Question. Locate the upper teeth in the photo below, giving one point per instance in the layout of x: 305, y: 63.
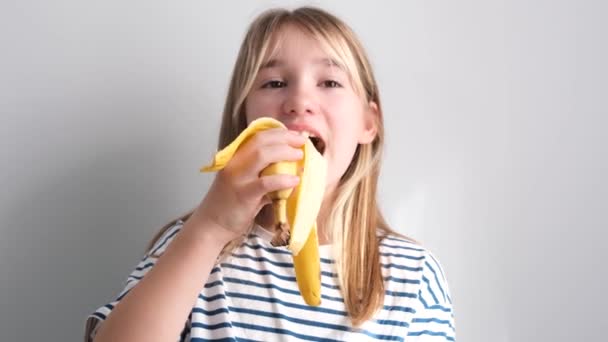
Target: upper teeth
x: 308, y: 134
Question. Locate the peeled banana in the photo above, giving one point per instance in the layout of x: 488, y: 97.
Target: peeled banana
x: 295, y: 210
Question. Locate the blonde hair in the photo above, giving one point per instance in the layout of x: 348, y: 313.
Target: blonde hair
x: 357, y: 225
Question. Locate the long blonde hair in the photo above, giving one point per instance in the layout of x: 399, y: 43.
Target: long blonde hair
x: 357, y: 225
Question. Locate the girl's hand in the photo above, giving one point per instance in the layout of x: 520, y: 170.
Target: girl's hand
x: 238, y: 192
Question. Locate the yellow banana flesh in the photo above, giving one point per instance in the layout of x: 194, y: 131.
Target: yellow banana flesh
x: 302, y: 205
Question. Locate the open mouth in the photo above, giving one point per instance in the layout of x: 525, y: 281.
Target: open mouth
x: 318, y: 143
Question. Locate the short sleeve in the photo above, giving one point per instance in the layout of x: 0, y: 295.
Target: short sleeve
x: 434, y: 317
x: 145, y: 265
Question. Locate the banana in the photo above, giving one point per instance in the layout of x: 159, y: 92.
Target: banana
x: 279, y: 200
x: 222, y: 157
x: 295, y: 210
x: 308, y: 269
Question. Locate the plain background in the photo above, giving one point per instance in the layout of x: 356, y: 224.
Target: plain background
x: 496, y: 160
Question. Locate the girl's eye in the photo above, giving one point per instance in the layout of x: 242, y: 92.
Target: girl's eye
x: 274, y: 84
x: 331, y: 84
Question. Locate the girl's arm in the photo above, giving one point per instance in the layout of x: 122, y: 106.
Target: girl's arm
x: 158, y: 306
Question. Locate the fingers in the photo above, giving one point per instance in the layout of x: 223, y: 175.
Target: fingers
x: 238, y: 191
x: 267, y: 155
x: 265, y: 184
x: 265, y: 148
x: 278, y: 135
x: 275, y: 136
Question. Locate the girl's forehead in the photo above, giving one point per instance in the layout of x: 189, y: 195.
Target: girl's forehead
x: 291, y: 42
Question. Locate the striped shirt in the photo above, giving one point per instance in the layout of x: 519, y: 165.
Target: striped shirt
x: 252, y: 295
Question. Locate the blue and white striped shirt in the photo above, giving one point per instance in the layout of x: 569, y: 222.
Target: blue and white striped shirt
x: 253, y: 296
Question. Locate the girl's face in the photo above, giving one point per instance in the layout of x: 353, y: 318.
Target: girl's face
x: 305, y: 90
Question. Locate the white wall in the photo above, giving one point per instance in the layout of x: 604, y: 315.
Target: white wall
x: 496, y: 157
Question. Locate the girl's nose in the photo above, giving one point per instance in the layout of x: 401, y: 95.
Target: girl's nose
x: 299, y: 101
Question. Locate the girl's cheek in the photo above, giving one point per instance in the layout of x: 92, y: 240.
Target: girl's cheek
x: 259, y: 103
x: 338, y: 101
x: 271, y: 99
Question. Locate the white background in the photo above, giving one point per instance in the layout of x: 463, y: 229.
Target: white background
x: 496, y: 149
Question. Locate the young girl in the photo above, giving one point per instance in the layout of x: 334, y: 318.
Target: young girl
x: 212, y: 275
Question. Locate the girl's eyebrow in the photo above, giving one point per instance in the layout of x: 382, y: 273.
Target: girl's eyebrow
x: 330, y: 62
x: 274, y: 63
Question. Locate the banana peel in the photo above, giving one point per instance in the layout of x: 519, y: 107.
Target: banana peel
x: 223, y: 156
x: 302, y: 204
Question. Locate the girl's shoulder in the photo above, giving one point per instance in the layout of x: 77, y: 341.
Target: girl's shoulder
x: 395, y: 242
x: 403, y: 258
x: 412, y: 271
x: 398, y: 250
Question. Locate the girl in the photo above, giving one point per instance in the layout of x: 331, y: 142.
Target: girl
x: 213, y: 275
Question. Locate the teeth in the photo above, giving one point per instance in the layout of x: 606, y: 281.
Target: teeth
x: 308, y: 134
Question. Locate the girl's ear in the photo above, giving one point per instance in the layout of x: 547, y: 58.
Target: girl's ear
x: 370, y: 123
